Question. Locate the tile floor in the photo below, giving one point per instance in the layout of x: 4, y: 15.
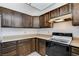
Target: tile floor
x: 34, y: 54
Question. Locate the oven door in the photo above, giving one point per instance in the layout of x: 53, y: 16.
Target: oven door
x: 57, y: 49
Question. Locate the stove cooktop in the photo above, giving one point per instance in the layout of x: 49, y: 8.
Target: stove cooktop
x: 64, y: 38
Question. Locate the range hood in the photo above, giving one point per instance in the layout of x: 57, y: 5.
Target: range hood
x: 61, y: 18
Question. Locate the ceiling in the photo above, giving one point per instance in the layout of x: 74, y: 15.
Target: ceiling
x: 40, y: 6
x: 33, y: 9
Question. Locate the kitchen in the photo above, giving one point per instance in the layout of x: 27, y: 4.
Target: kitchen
x: 38, y: 29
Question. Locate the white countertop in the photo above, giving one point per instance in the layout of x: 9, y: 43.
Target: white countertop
x: 75, y: 41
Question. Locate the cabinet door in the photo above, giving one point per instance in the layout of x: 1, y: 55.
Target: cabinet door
x: 65, y: 9
x: 17, y: 19
x: 75, y: 51
x: 6, y: 17
x: 41, y: 21
x: 36, y: 22
x: 0, y: 50
x: 24, y: 48
x: 27, y: 20
x: 42, y: 47
x: 9, y: 48
x: 32, y: 45
x: 54, y: 13
x: 30, y: 21
x: 37, y: 48
x: 75, y: 14
x: 46, y: 19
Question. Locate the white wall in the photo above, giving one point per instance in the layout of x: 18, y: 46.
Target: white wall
x: 17, y: 31
x: 61, y: 27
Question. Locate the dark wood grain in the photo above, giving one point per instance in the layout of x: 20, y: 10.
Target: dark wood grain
x: 65, y: 9
x: 24, y: 47
x: 42, y: 47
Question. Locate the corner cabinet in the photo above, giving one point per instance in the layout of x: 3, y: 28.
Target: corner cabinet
x: 27, y: 21
x: 44, y: 20
x: 75, y: 14
x: 24, y: 47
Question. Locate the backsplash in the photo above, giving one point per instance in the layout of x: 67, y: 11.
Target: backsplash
x: 61, y: 27
x: 17, y: 31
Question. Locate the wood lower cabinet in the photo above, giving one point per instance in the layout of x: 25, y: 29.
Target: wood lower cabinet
x: 0, y: 52
x: 0, y: 49
x: 33, y: 40
x: 75, y: 51
x: 24, y: 47
x: 42, y: 47
x: 9, y: 49
x: 36, y: 45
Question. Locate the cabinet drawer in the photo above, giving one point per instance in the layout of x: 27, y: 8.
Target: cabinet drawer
x: 75, y: 50
x: 12, y: 53
x: 8, y: 44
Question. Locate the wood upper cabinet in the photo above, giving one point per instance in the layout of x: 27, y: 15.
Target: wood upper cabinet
x: 46, y: 19
x: 54, y: 13
x: 6, y: 17
x: 65, y: 9
x: 10, y: 18
x: 27, y: 20
x: 42, y: 46
x: 75, y: 14
x: 43, y: 20
x: 16, y: 19
x: 24, y: 47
